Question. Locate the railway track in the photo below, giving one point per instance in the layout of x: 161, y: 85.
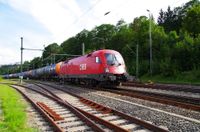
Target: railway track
x: 108, y: 118
x: 156, y: 113
x: 60, y: 115
x: 37, y: 120
x: 182, y: 102
x: 184, y: 88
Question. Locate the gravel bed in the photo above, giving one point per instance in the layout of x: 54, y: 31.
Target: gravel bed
x: 167, y: 92
x: 158, y: 118
x: 168, y: 108
x: 35, y: 119
x: 181, y: 85
x: 31, y: 121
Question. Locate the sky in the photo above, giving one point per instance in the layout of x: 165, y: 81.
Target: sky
x: 43, y: 22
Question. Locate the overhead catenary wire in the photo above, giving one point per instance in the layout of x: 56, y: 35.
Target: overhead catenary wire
x: 87, y: 11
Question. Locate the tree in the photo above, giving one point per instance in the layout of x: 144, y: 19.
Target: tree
x: 26, y: 66
x: 122, y: 37
x: 101, y: 36
x: 72, y: 46
x: 173, y: 19
x: 48, y: 56
x: 192, y: 21
x: 166, y: 19
x: 51, y: 49
x: 190, y: 4
x: 35, y: 63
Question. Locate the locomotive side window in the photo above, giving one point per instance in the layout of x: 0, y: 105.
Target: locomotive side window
x: 97, y: 60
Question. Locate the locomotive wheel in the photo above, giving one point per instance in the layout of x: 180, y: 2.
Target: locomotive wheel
x: 118, y: 83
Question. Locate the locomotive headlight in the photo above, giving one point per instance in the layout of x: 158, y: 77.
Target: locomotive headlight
x: 106, y: 70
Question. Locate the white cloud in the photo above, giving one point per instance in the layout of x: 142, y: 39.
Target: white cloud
x: 59, y: 16
x: 56, y: 16
x: 65, y: 18
x: 122, y: 9
x: 8, y: 55
x: 22, y: 5
x: 129, y: 9
x: 34, y: 40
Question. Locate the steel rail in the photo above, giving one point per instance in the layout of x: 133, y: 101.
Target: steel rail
x: 47, y: 117
x: 88, y: 121
x: 162, y: 87
x: 130, y: 118
x: 184, y: 99
x: 97, y: 119
x: 158, y: 99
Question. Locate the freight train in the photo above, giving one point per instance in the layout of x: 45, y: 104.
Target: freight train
x: 99, y: 67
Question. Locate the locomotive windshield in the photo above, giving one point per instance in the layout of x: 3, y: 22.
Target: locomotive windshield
x: 114, y: 59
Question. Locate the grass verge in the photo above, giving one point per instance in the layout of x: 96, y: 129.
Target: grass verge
x: 13, y: 117
x: 179, y: 79
x: 8, y: 81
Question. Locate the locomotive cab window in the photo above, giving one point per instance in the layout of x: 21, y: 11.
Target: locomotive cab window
x: 97, y: 60
x: 113, y: 59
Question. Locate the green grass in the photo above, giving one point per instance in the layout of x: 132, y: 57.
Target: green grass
x: 13, y: 118
x: 8, y: 81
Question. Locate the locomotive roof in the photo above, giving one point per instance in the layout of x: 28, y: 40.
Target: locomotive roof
x: 90, y: 54
x: 104, y: 51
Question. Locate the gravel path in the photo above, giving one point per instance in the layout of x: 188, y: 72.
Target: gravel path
x: 173, y: 123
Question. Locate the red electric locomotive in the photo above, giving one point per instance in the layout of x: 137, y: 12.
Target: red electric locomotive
x: 102, y: 66
x: 97, y: 68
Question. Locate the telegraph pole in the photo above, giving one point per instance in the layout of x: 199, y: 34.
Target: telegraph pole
x: 83, y: 49
x: 54, y: 58
x: 137, y: 70
x: 21, y: 77
x: 22, y: 48
x: 42, y: 55
x: 150, y: 44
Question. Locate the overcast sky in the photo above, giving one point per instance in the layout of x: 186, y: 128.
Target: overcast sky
x: 42, y: 22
